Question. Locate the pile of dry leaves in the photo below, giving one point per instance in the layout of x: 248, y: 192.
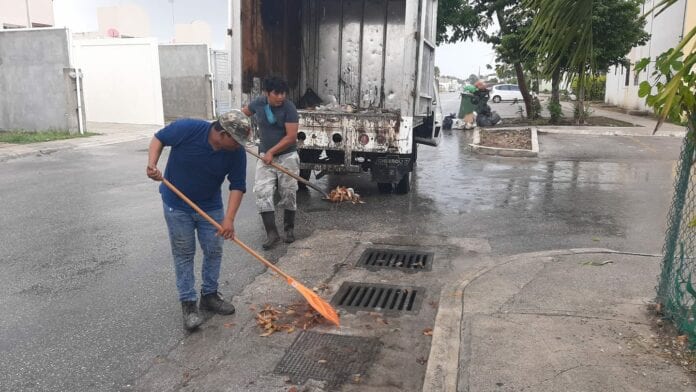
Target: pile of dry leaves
x: 341, y: 194
x: 287, y: 318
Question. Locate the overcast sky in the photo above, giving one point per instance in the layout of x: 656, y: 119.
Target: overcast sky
x: 461, y: 59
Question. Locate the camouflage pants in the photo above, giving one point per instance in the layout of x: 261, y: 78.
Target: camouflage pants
x: 268, y: 179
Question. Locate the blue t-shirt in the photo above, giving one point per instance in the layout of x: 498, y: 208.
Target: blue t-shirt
x: 196, y: 169
x: 270, y: 134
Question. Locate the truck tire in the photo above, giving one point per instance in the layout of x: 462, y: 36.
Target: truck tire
x: 404, y: 186
x: 385, y: 187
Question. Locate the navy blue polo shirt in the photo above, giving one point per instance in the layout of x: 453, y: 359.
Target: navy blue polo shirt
x: 196, y: 169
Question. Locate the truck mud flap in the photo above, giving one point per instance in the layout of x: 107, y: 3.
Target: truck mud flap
x: 391, y: 168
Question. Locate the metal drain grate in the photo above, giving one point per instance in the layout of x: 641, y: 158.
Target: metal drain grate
x: 368, y: 296
x: 328, y: 357
x: 401, y: 259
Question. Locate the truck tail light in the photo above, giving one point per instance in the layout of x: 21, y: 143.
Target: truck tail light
x: 363, y: 139
x: 381, y: 139
x: 301, y: 136
x: 337, y: 138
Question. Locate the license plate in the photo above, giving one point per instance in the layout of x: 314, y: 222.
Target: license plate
x: 393, y: 161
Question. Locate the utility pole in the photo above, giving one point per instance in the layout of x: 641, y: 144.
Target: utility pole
x: 28, y: 14
x: 173, y: 25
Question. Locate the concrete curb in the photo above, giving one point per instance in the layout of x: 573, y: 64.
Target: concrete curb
x: 442, y: 373
x: 18, y: 151
x: 618, y: 132
x: 505, y: 152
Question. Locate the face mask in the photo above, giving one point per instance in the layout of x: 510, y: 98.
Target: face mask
x: 270, y: 117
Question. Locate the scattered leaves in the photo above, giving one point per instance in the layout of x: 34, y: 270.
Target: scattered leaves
x: 288, y: 318
x: 186, y: 377
x: 341, y: 194
x: 229, y: 325
x: 433, y: 304
x: 322, y: 361
x: 428, y: 332
x: 292, y: 389
x: 357, y: 378
x: 422, y: 361
x: 682, y: 339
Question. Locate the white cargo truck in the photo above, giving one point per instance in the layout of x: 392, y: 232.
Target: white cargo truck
x: 371, y: 63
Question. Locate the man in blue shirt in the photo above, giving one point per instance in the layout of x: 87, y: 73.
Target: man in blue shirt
x: 278, y: 122
x: 202, y: 155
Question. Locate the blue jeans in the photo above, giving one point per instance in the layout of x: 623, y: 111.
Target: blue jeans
x: 183, y: 227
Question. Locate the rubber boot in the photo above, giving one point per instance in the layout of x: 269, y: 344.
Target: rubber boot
x: 271, y: 229
x: 289, y: 226
x: 216, y: 304
x: 189, y: 310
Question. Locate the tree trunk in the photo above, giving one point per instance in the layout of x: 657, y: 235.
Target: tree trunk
x: 518, y: 67
x: 523, y: 89
x: 555, y: 95
x: 581, y: 96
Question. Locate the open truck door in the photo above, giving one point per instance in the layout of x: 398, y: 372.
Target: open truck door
x: 427, y: 104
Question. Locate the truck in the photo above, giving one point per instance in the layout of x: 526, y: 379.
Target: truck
x: 367, y: 64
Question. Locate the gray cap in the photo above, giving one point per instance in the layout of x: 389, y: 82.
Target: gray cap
x: 237, y: 125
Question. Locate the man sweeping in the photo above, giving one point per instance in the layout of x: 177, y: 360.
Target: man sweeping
x: 278, y: 122
x: 202, y: 155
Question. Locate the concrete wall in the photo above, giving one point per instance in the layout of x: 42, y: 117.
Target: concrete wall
x: 121, y: 80
x: 666, y: 31
x: 38, y: 92
x: 14, y: 12
x: 186, y: 81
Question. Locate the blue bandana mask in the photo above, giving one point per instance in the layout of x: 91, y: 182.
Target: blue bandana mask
x: 270, y: 117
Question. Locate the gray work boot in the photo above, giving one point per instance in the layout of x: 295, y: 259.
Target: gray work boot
x: 191, y: 318
x: 289, y: 226
x: 214, y: 303
x: 271, y: 229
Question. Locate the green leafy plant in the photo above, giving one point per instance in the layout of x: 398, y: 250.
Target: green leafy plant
x: 555, y: 112
x: 671, y: 91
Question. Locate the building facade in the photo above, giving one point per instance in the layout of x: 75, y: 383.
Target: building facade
x: 666, y: 30
x: 18, y: 14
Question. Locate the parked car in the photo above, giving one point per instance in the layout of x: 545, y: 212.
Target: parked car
x: 506, y: 92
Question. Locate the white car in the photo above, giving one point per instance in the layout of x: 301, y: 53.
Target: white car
x: 506, y: 92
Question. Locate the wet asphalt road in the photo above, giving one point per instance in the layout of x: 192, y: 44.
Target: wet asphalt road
x: 87, y: 294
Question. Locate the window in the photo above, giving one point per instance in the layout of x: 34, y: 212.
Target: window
x: 628, y: 74
x: 514, y: 88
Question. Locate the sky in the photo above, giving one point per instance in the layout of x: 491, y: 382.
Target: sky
x: 460, y: 60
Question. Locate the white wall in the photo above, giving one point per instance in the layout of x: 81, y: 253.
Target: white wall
x: 14, y: 12
x: 129, y: 20
x: 666, y: 31
x: 121, y: 80
x: 198, y: 32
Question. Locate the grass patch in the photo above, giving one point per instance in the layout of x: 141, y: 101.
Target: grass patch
x: 27, y: 137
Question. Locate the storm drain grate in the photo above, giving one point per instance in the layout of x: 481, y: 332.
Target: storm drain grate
x: 381, y: 297
x: 328, y: 357
x: 402, y: 259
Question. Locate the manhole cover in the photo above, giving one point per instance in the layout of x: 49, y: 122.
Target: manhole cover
x: 402, y: 259
x: 327, y: 357
x: 380, y: 297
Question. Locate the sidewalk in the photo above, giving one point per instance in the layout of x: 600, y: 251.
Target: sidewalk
x: 568, y: 320
x: 573, y: 320
x: 645, y: 125
x: 109, y: 133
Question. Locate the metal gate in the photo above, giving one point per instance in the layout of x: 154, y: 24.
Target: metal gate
x: 220, y: 67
